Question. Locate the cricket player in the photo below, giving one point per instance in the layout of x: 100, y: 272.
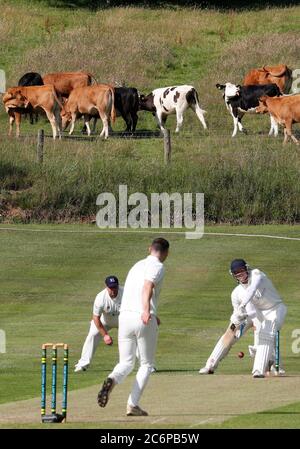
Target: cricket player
x: 255, y: 303
x: 138, y: 326
x: 105, y: 317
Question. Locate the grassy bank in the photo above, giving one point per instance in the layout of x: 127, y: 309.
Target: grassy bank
x: 242, y: 184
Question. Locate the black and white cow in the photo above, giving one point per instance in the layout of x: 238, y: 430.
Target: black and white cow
x: 241, y: 99
x: 172, y: 100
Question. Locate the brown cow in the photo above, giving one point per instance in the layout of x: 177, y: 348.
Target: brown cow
x: 87, y: 101
x: 284, y: 110
x: 38, y: 97
x: 65, y: 82
x: 279, y: 74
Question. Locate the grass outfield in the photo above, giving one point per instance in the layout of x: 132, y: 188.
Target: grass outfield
x: 50, y: 276
x: 185, y: 46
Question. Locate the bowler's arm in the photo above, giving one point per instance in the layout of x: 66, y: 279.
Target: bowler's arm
x: 147, y: 293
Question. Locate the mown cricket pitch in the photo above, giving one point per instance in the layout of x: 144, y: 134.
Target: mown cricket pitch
x: 172, y: 400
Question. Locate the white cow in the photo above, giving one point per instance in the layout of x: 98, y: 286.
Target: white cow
x: 172, y: 100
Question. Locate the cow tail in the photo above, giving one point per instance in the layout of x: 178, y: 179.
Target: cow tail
x: 113, y: 110
x: 196, y: 99
x: 57, y: 99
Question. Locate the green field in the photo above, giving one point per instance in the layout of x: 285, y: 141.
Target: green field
x: 50, y: 276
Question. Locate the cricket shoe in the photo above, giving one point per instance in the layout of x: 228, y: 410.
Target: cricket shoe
x: 105, y: 391
x: 258, y: 375
x: 79, y: 368
x: 206, y: 371
x: 281, y: 371
x: 135, y: 411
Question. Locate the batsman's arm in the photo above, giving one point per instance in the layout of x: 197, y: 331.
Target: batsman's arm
x: 103, y: 332
x: 250, y: 291
x: 147, y: 293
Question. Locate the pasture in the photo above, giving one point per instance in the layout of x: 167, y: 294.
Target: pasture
x: 54, y: 259
x: 207, y: 47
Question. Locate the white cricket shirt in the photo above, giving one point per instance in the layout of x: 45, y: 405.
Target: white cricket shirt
x: 259, y: 290
x: 150, y: 269
x: 108, y: 308
x: 237, y: 302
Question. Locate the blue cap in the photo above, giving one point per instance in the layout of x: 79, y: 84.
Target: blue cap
x: 112, y: 281
x: 238, y: 264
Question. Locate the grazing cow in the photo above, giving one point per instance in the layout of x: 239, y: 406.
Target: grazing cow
x: 170, y: 100
x: 31, y: 79
x: 280, y: 75
x: 241, y: 99
x: 65, y: 82
x: 87, y: 102
x: 285, y: 111
x: 38, y: 97
x: 126, y: 106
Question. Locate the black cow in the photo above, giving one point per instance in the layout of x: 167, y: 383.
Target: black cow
x: 31, y: 79
x: 127, y: 106
x: 241, y: 99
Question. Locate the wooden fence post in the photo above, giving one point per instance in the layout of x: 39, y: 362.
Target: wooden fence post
x: 40, y: 146
x: 167, y: 146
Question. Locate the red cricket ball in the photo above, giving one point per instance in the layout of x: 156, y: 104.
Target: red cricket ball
x: 241, y: 354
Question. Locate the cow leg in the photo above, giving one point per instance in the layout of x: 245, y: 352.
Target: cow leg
x: 86, y: 118
x: 240, y: 126
x: 286, y: 137
x: 159, y: 121
x: 105, y: 122
x: 72, y: 124
x: 128, y: 120
x: 18, y: 122
x: 289, y: 132
x: 11, y: 121
x: 179, y: 120
x: 235, y: 126
x: 94, y: 124
x: 134, y: 118
x: 274, y: 127
x: 51, y: 118
x: 234, y: 115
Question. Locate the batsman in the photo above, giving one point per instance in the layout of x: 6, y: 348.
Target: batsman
x: 256, y: 303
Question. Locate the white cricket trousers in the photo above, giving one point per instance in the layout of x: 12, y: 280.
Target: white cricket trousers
x: 134, y: 334
x: 90, y: 345
x: 271, y: 322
